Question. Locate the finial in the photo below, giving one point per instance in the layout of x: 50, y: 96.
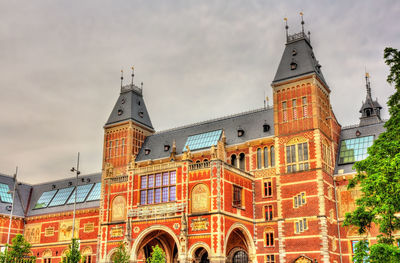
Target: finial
x: 133, y: 74
x: 122, y: 76
x: 141, y: 85
x: 309, y: 36
x: 287, y: 28
x: 368, y: 85
x: 302, y: 22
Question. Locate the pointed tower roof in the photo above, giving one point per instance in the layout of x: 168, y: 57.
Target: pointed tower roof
x: 130, y: 106
x: 371, y: 109
x: 298, y: 58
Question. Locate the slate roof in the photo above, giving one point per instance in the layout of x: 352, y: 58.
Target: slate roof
x: 130, y: 106
x: 21, y: 198
x: 349, y: 133
x: 48, y: 186
x: 251, y: 122
x: 298, y: 50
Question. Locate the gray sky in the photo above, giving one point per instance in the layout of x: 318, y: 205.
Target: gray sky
x: 60, y: 65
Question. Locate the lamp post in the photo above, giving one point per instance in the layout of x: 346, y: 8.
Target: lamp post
x: 76, y: 170
x: 12, y: 210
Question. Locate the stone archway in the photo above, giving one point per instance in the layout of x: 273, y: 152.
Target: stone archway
x: 239, y: 244
x: 152, y: 236
x: 199, y: 253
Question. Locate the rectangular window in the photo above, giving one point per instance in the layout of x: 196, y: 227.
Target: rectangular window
x: 109, y: 149
x: 284, y: 108
x: 123, y: 147
x: 294, y: 109
x: 116, y: 147
x: 297, y: 160
x: 304, y: 102
x: 237, y: 196
x: 353, y: 150
x: 268, y: 213
x: 158, y: 188
x: 301, y: 226
x: 270, y: 259
x: 269, y: 239
x: 299, y: 200
x: 268, y: 189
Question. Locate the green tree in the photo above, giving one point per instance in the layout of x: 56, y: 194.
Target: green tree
x: 73, y: 255
x: 19, y: 251
x: 121, y: 255
x: 378, y: 177
x: 157, y: 256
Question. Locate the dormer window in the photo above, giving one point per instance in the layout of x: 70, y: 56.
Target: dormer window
x: 147, y: 151
x: 266, y: 127
x: 293, y: 66
x: 240, y: 132
x: 166, y: 147
x: 294, y: 52
x: 141, y: 114
x: 120, y: 111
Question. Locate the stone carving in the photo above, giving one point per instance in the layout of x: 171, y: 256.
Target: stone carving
x: 32, y: 233
x: 199, y: 224
x: 200, y: 198
x: 65, y: 232
x: 117, y: 231
x: 109, y: 169
x: 118, y: 208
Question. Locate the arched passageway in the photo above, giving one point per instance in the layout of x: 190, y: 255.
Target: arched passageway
x: 239, y: 247
x: 143, y: 246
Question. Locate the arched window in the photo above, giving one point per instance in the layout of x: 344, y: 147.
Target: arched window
x: 240, y: 257
x: 266, y: 157
x: 233, y: 160
x: 258, y: 158
x: 272, y: 153
x: 242, y: 161
x: 205, y: 160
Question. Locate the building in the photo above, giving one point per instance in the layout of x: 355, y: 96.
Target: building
x: 267, y: 185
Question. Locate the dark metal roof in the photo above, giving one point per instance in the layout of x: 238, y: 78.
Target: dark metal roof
x: 349, y: 133
x: 130, y: 106
x: 21, y: 198
x: 299, y: 51
x: 59, y: 184
x: 251, y: 122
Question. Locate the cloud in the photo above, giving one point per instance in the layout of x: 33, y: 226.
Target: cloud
x: 60, y: 64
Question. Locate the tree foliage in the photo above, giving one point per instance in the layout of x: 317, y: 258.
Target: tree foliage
x: 121, y: 255
x: 157, y: 256
x: 19, y: 251
x: 73, y: 255
x: 378, y: 177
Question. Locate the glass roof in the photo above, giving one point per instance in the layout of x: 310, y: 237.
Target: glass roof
x: 353, y: 150
x: 4, y: 195
x: 95, y: 193
x: 61, y: 196
x: 45, y: 199
x: 202, y: 140
x: 83, y: 191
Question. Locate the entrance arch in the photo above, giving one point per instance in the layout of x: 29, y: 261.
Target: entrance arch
x: 155, y: 235
x: 199, y: 253
x: 239, y: 245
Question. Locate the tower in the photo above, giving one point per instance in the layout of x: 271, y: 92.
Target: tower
x: 124, y: 134
x: 307, y: 136
x: 370, y: 110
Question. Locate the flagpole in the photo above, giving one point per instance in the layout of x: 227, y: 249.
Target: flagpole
x: 12, y: 210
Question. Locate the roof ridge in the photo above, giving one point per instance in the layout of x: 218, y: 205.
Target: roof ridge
x: 214, y: 120
x: 358, y: 125
x: 67, y: 178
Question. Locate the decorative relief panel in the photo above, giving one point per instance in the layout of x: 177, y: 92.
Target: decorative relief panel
x: 199, y: 224
x: 48, y: 232
x: 200, y: 199
x: 32, y: 233
x: 117, y: 231
x: 65, y: 232
x: 88, y: 227
x: 118, y: 208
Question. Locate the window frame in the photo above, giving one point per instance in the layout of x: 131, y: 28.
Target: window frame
x: 293, y: 162
x: 237, y: 189
x: 269, y: 239
x: 154, y: 186
x: 269, y: 212
x: 299, y: 200
x: 267, y: 189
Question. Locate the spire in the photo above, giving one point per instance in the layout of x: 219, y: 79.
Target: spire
x: 370, y: 110
x: 122, y: 77
x: 298, y: 58
x: 133, y: 74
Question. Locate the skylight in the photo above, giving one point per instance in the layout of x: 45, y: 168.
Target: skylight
x: 353, y: 150
x: 61, y: 196
x: 202, y: 140
x: 45, y: 199
x: 95, y: 193
x: 83, y: 191
x: 4, y: 195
